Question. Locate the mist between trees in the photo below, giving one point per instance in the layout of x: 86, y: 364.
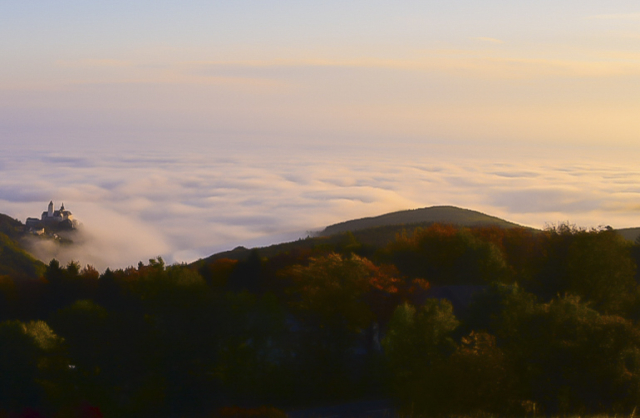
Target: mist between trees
x: 442, y: 320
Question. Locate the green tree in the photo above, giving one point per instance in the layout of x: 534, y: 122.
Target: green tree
x: 249, y: 347
x: 182, y: 335
x: 418, y: 344
x: 31, y: 364
x: 328, y: 292
x: 83, y: 325
x: 595, y: 265
x: 479, y: 376
x: 332, y: 297
x: 572, y: 358
x: 498, y: 309
x: 65, y: 285
x: 446, y: 255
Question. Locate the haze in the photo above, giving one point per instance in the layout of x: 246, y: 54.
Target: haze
x: 185, y: 128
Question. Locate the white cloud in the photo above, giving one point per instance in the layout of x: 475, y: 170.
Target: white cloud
x: 184, y: 205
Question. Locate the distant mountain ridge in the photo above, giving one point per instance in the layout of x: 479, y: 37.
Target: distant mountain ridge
x: 374, y: 231
x: 441, y: 214
x: 377, y: 231
x: 631, y: 234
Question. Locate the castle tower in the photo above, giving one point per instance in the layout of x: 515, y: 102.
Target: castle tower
x: 50, y: 211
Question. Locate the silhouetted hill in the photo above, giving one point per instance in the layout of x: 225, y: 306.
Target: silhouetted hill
x: 14, y: 260
x: 12, y: 228
x: 629, y: 233
x: 440, y: 214
x: 375, y: 232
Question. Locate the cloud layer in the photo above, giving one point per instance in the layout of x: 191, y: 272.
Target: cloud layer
x: 183, y: 205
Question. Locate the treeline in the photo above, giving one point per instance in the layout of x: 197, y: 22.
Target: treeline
x: 552, y: 327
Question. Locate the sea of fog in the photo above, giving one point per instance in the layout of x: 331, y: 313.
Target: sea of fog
x: 183, y: 201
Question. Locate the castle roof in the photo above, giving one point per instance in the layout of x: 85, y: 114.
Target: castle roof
x: 61, y: 213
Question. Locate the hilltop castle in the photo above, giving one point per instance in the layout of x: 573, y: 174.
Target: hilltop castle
x: 57, y: 219
x: 56, y: 216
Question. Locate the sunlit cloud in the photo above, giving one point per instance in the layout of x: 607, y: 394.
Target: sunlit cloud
x: 192, y: 205
x: 468, y: 63
x: 283, y: 75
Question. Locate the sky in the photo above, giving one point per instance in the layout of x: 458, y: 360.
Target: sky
x: 185, y: 128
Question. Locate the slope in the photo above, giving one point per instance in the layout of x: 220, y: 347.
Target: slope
x: 375, y: 232
x: 441, y: 214
x: 14, y: 260
x: 632, y: 234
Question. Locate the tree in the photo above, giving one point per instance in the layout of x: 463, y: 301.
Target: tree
x: 478, y: 376
x: 65, y: 285
x: 446, y: 255
x: 571, y: 358
x: 328, y: 292
x: 218, y: 272
x: 250, y: 347
x: 335, y: 298
x: 418, y: 344
x: 30, y: 363
x: 595, y: 265
x: 247, y: 274
x: 498, y: 310
x: 519, y: 246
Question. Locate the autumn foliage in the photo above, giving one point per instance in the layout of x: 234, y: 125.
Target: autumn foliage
x: 442, y: 319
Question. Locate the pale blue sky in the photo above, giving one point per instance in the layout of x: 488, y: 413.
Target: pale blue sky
x: 86, y: 26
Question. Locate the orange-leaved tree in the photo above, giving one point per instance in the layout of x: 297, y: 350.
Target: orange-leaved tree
x: 336, y: 298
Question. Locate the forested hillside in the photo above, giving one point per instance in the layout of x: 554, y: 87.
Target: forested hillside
x: 450, y: 215
x: 376, y: 232
x: 442, y: 319
x: 15, y: 262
